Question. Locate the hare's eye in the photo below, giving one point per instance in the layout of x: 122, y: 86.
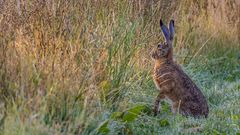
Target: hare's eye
x: 159, y: 46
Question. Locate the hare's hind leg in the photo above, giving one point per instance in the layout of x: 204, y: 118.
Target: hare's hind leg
x: 176, y: 107
x: 156, y: 109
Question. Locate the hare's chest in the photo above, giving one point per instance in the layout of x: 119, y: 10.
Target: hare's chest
x: 164, y: 82
x: 156, y: 84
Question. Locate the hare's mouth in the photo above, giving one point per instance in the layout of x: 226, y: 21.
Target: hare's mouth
x: 154, y: 54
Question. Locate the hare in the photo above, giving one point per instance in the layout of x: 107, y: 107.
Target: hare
x: 173, y: 84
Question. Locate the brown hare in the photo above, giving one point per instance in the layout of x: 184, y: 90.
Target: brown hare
x: 173, y: 84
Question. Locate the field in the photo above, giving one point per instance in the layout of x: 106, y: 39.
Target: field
x: 84, y: 66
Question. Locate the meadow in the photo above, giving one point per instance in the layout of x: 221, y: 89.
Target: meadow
x: 84, y: 67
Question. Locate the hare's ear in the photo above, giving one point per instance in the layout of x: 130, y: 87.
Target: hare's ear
x: 165, y: 31
x: 171, y: 29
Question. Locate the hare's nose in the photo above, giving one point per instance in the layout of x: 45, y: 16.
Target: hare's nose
x: 159, y: 46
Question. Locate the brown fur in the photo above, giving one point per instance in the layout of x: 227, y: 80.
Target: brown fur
x: 173, y: 84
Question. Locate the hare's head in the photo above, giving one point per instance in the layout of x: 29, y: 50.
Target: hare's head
x: 164, y: 50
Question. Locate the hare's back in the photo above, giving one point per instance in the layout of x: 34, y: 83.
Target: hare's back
x: 190, y: 88
x: 192, y: 94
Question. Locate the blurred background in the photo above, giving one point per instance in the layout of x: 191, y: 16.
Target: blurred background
x: 83, y: 66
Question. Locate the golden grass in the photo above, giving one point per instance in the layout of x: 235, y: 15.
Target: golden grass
x: 85, y: 53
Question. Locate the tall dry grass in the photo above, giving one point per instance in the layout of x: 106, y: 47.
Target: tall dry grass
x: 65, y: 62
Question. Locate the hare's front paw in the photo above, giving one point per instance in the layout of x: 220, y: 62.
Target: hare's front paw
x: 156, y: 110
x: 156, y: 113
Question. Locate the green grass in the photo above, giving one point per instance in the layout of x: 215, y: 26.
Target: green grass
x: 83, y: 67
